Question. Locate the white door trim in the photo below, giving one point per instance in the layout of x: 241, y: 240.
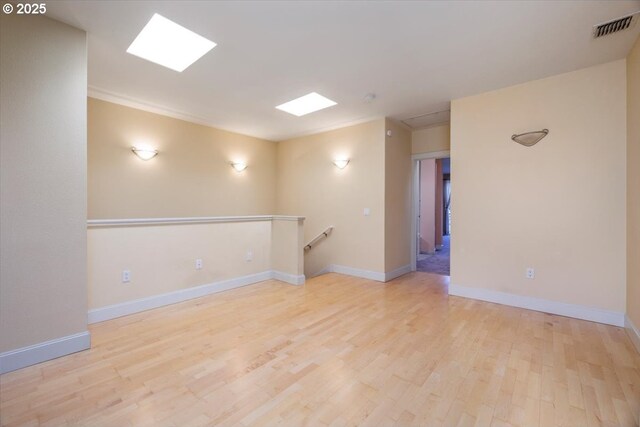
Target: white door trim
x: 415, y: 197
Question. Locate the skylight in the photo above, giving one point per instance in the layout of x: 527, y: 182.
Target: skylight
x: 168, y: 44
x: 306, y: 104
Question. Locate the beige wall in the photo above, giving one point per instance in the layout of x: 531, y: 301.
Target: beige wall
x: 633, y: 184
x: 43, y: 290
x: 162, y: 258
x: 308, y: 184
x: 287, y: 246
x: 397, y: 173
x: 558, y: 206
x: 432, y: 139
x: 191, y: 176
x: 427, y: 205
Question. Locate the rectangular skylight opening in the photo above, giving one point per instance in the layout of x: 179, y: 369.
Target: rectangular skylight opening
x: 168, y: 44
x: 306, y: 104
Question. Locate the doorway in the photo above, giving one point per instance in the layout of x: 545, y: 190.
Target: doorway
x: 432, y: 213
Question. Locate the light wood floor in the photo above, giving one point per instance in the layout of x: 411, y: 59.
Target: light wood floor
x: 339, y: 351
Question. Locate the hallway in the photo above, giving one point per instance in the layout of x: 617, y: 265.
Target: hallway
x: 437, y: 263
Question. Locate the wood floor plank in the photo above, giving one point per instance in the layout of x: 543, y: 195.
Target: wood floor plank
x: 338, y: 351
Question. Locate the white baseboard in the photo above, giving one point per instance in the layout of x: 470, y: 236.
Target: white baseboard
x: 41, y: 352
x: 292, y: 279
x: 365, y: 274
x: 130, y: 307
x: 390, y: 275
x: 633, y: 332
x: 538, y: 304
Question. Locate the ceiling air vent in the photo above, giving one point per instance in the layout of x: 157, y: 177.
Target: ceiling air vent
x: 614, y: 26
x: 427, y: 120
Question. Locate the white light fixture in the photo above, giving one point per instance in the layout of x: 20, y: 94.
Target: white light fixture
x: 306, y: 104
x: 341, y: 163
x: 145, y: 153
x: 239, y: 166
x: 171, y: 45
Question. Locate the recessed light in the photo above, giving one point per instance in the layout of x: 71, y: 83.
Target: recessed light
x: 306, y: 104
x: 171, y: 45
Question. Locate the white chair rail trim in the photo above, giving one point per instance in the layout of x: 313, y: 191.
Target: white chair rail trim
x: 97, y: 223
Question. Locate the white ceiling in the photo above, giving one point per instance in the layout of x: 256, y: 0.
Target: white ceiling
x: 415, y: 56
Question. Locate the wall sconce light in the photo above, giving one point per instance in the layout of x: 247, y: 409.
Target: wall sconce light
x: 341, y: 163
x: 529, y: 139
x: 239, y: 166
x: 144, y: 153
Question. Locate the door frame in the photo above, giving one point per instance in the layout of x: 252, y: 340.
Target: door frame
x: 415, y: 198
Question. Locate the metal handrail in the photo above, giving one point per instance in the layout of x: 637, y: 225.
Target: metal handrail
x: 319, y: 237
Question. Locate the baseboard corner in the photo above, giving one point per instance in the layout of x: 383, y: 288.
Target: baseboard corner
x: 393, y: 274
x: 292, y: 279
x: 632, y: 331
x: 325, y: 270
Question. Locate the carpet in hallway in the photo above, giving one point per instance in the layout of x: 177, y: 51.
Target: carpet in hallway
x: 438, y: 262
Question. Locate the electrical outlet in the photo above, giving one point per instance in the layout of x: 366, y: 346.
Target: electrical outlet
x: 367, y: 212
x: 126, y: 276
x: 198, y: 264
x: 530, y: 273
x: 249, y: 256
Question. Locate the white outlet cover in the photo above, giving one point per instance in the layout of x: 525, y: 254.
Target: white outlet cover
x: 367, y: 211
x: 198, y: 264
x: 249, y: 256
x: 126, y: 276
